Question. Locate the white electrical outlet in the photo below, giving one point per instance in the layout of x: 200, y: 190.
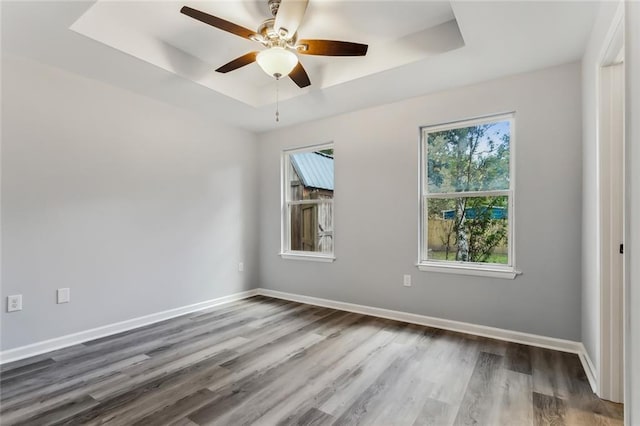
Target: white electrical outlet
x: 407, y: 281
x: 240, y: 267
x: 14, y: 303
x: 64, y: 295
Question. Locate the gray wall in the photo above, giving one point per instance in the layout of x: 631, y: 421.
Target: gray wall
x: 376, y: 207
x: 137, y: 206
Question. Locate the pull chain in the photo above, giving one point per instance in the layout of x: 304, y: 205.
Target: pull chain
x: 277, y: 102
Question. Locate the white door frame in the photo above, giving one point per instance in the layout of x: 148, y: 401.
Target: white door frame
x: 611, y: 212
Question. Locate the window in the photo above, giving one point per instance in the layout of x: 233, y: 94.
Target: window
x: 467, y: 197
x: 307, y: 211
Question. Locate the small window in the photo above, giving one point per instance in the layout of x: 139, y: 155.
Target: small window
x: 467, y: 197
x: 307, y: 211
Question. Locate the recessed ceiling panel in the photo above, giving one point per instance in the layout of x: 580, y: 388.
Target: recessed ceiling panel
x: 158, y: 33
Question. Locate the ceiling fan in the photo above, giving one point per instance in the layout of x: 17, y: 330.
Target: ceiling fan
x: 280, y: 37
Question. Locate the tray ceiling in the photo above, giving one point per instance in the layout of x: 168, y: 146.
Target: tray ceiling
x: 157, y: 33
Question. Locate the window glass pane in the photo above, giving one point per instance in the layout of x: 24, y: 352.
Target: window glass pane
x: 474, y: 158
x: 468, y: 229
x: 311, y: 175
x: 311, y: 227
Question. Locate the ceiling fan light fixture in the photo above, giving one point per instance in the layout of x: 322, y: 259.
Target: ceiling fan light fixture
x: 279, y: 36
x: 277, y: 61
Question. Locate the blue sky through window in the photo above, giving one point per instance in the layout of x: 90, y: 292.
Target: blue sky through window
x: 495, y: 133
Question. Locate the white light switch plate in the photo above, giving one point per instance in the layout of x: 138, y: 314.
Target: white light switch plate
x: 64, y: 295
x: 407, y: 281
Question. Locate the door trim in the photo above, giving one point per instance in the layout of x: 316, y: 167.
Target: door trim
x: 611, y: 212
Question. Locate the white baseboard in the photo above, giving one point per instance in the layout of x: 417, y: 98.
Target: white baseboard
x: 589, y: 369
x: 462, y: 327
x: 107, y: 330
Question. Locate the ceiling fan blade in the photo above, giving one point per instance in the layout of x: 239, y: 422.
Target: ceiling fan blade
x: 299, y: 76
x: 331, y: 48
x: 219, y: 23
x: 289, y: 17
x: 238, y: 62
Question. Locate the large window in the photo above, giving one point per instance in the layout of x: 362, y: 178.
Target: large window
x: 307, y: 211
x: 467, y: 197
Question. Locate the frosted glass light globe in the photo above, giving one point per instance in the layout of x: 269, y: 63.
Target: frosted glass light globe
x: 277, y: 61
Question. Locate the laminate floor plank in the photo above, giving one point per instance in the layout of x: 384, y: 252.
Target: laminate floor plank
x: 174, y: 396
x: 169, y: 333
x: 177, y: 411
x: 51, y: 387
x: 354, y: 381
x: 267, y: 378
x: 435, y: 413
x: 325, y: 364
x: 254, y: 309
x: 62, y: 412
x: 315, y: 417
x: 370, y: 402
x: 69, y: 369
x: 182, y: 422
x: 160, y: 371
x: 173, y: 329
x: 189, y: 353
x: 482, y: 396
x: 406, y: 398
x: 138, y: 335
x: 158, y: 389
x: 6, y: 368
x: 266, y: 352
x: 266, y: 361
x: 451, y: 379
x: 545, y: 369
x: 492, y: 346
x: 25, y: 370
x: 79, y: 349
x: 289, y: 390
x: 57, y: 397
x: 518, y: 358
x: 549, y: 410
x: 516, y: 406
x: 399, y: 391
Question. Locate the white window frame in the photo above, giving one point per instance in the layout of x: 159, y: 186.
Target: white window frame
x: 286, y: 203
x: 507, y: 271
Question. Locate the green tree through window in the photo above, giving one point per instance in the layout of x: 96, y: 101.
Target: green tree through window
x: 467, y: 192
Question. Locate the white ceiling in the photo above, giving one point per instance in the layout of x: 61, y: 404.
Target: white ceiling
x: 157, y: 33
x: 415, y: 48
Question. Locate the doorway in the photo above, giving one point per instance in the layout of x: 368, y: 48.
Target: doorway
x: 611, y: 154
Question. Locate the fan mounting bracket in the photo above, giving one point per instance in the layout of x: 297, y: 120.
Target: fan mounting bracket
x: 273, y: 6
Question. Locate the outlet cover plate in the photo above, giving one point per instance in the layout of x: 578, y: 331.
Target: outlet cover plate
x: 14, y: 303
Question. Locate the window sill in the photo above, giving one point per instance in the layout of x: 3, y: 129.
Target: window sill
x: 309, y: 257
x: 505, y: 273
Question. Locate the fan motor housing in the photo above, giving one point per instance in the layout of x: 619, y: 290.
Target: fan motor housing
x: 271, y: 37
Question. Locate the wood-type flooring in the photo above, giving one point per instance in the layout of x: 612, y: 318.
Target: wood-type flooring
x: 266, y: 361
